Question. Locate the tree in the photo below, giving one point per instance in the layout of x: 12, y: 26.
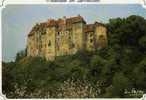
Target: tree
x: 21, y: 55
x: 119, y: 84
x: 126, y: 31
x: 142, y: 43
x: 140, y: 75
x: 7, y: 77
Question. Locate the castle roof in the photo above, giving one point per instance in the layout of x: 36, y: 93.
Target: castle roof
x: 51, y: 22
x: 33, y: 30
x: 100, y: 24
x: 64, y: 22
x: 37, y: 27
x: 89, y: 28
x: 75, y: 19
x: 60, y: 21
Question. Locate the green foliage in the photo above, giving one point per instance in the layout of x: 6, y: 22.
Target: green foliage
x: 142, y: 42
x: 140, y: 75
x: 126, y: 31
x: 7, y: 77
x: 118, y: 69
x: 120, y: 83
x: 21, y: 55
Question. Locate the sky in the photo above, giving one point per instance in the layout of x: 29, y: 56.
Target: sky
x: 17, y: 20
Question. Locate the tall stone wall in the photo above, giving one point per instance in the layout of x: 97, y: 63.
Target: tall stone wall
x: 50, y: 42
x: 32, y: 49
x: 101, y: 36
x: 65, y: 38
x: 78, y: 36
x: 90, y: 41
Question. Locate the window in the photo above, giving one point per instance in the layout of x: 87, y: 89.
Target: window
x: 91, y: 34
x: 91, y: 40
x: 67, y: 32
x: 43, y: 33
x: 58, y: 33
x: 101, y: 36
x: 49, y: 44
x: 69, y: 37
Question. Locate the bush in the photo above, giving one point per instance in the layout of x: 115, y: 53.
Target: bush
x: 118, y: 68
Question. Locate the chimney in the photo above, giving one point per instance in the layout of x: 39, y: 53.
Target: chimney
x: 64, y: 17
x: 79, y: 15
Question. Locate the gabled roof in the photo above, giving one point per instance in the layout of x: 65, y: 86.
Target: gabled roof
x: 62, y: 22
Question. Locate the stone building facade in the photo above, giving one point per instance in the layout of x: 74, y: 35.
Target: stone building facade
x: 65, y: 36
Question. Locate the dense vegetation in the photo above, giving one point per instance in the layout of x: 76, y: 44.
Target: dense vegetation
x: 116, y: 71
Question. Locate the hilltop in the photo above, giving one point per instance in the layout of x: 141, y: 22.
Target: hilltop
x: 114, y: 71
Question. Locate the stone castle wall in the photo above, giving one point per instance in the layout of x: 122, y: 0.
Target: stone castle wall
x: 65, y: 36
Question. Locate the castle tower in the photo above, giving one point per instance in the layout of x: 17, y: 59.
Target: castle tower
x: 100, y: 35
x: 62, y: 34
x: 50, y: 40
x: 90, y: 37
x: 65, y: 36
x: 34, y: 41
x: 78, y: 33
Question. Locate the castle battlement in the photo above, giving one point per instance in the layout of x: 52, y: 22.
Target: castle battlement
x: 65, y: 36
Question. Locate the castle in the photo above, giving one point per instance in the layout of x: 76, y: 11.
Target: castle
x: 65, y: 36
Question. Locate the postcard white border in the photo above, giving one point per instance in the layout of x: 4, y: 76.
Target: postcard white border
x: 3, y: 4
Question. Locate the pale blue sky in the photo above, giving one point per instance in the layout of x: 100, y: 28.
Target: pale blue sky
x: 17, y: 20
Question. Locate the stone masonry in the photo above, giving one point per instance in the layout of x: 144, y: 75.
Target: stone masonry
x: 65, y: 36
